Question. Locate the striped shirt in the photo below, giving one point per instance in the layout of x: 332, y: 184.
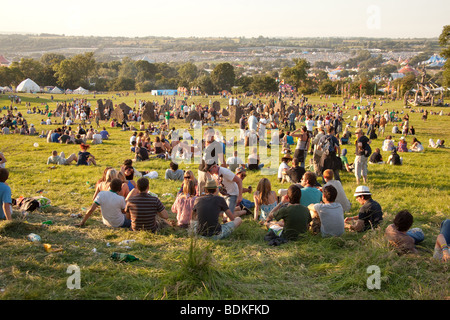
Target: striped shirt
x: 143, y: 209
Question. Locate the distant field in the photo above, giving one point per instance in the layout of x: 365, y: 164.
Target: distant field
x: 173, y: 266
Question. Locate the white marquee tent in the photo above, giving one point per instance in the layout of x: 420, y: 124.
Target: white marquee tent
x: 80, y: 90
x: 56, y: 90
x: 28, y: 85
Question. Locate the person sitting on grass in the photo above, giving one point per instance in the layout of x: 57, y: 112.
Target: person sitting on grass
x: 174, y: 173
x: 370, y: 214
x: 310, y: 192
x: 5, y: 196
x: 399, y: 234
x: 208, y: 211
x: 327, y: 217
x: 61, y: 159
x: 84, y: 157
x: 376, y: 157
x: 328, y: 177
x: 347, y: 166
x: 112, y: 207
x: 265, y: 200
x: 416, y: 146
x: 441, y: 249
x: 184, y: 203
x: 141, y: 153
x: 146, y: 211
x: 291, y: 216
x: 394, y: 158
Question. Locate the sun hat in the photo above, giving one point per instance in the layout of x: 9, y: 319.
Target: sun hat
x: 240, y: 170
x: 210, y: 184
x: 287, y: 157
x: 362, y: 191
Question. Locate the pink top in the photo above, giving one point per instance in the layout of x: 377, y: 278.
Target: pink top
x: 182, y: 207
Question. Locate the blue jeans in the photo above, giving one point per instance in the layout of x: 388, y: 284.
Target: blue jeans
x: 231, y: 202
x: 416, y: 234
x: 126, y: 223
x: 445, y: 230
x: 247, y: 203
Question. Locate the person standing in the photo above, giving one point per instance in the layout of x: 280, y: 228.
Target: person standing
x: 212, y: 154
x: 230, y: 185
x: 301, y: 149
x: 361, y: 158
x: 329, y: 145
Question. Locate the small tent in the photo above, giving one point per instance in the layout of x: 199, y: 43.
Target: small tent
x: 28, y: 85
x: 56, y: 90
x: 80, y: 90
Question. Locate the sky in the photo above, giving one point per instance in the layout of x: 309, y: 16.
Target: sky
x: 232, y: 18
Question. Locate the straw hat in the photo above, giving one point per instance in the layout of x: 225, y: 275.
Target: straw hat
x: 362, y: 191
x: 211, y: 184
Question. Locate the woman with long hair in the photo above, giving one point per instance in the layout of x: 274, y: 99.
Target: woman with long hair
x: 184, y: 204
x: 103, y: 184
x: 265, y: 200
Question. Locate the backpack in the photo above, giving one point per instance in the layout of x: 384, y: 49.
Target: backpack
x: 367, y: 150
x: 28, y: 204
x: 327, y: 145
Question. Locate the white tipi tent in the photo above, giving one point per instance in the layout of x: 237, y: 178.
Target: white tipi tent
x: 28, y: 85
x: 80, y: 90
x: 56, y: 90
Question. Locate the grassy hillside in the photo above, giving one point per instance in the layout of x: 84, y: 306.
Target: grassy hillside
x: 174, y: 266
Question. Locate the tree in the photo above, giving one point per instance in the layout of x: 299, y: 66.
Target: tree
x: 205, y: 84
x: 66, y: 74
x: 444, y: 42
x: 223, y: 76
x: 85, y: 65
x: 296, y: 75
x: 145, y: 70
x: 327, y: 87
x: 187, y: 73
x: 263, y: 84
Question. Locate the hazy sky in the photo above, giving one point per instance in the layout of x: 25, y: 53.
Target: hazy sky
x: 232, y: 18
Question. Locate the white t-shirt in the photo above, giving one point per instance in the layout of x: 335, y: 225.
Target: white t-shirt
x: 282, y: 166
x: 234, y: 160
x: 331, y: 218
x: 97, y: 137
x: 341, y: 196
x: 253, y: 123
x: 111, y: 205
x: 309, y: 125
x: 228, y: 183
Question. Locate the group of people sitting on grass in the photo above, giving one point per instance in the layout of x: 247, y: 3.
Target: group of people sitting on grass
x: 305, y: 206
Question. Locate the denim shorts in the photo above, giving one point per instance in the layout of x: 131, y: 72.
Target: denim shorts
x: 231, y: 202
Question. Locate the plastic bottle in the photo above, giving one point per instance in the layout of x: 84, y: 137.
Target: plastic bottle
x: 48, y: 222
x: 123, y: 257
x: 126, y: 242
x: 34, y: 237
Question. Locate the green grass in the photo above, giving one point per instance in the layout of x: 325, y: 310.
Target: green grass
x: 174, y: 266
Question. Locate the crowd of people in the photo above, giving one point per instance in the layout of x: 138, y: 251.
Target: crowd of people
x: 212, y: 203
